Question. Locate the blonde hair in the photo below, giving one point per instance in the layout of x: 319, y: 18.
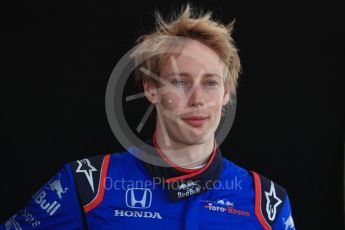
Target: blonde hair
x: 154, y: 48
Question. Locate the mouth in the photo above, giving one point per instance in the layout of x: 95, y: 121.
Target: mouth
x: 195, y: 121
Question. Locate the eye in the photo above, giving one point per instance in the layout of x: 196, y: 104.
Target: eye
x: 211, y: 83
x: 180, y: 83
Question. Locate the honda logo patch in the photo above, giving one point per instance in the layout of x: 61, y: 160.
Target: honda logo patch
x: 138, y: 198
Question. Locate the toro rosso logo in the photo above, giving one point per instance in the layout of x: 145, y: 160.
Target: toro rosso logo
x: 187, y: 185
x: 224, y: 206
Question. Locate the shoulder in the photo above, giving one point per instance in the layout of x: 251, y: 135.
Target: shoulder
x: 99, y: 164
x: 270, y: 198
x: 90, y: 170
x: 258, y: 181
x: 90, y: 176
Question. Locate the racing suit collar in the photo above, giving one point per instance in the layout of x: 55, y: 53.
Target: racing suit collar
x: 188, y: 172
x: 180, y: 182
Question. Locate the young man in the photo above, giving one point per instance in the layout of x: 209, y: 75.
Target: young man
x: 188, y: 69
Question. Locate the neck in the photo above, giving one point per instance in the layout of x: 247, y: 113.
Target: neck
x: 183, y: 154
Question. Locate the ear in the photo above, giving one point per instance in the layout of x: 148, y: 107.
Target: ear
x: 151, y: 91
x: 226, y: 96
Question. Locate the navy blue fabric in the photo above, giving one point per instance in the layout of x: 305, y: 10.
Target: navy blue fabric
x: 134, y: 198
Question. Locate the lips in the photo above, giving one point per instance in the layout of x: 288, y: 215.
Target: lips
x: 196, y: 121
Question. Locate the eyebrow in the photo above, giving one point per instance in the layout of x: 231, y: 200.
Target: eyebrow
x: 185, y: 74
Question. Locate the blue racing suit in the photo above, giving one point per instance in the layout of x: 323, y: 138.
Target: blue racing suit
x: 120, y: 191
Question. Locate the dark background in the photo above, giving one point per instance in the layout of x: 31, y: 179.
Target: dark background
x: 289, y: 123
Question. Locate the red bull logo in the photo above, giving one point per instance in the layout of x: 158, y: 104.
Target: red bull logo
x: 55, y: 185
x: 41, y: 200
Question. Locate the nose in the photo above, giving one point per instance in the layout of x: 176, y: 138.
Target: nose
x: 195, y: 95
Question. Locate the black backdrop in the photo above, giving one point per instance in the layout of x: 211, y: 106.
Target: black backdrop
x: 289, y: 123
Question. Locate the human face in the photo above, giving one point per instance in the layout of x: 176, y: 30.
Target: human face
x: 191, y: 94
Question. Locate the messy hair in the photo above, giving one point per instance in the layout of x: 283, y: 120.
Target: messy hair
x: 153, y: 48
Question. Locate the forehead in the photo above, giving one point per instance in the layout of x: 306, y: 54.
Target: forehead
x: 193, y: 58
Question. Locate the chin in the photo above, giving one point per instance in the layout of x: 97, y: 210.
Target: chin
x: 196, y: 139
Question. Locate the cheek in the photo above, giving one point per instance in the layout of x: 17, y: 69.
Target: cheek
x: 216, y: 108
x: 215, y: 99
x: 171, y: 100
